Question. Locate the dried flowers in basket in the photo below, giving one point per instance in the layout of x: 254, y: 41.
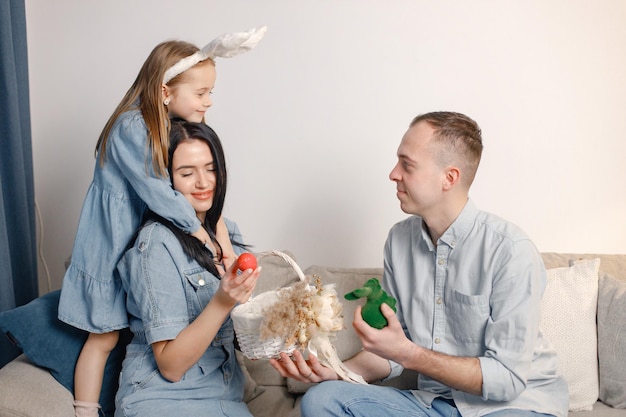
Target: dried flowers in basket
x: 304, y: 316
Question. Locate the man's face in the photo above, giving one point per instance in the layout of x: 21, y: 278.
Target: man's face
x: 418, y: 178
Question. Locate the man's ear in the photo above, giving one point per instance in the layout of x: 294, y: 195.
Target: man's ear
x: 453, y: 175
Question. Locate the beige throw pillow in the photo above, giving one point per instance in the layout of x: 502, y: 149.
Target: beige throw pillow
x: 568, y: 321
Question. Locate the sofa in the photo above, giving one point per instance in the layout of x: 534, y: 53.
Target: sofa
x: 583, y: 315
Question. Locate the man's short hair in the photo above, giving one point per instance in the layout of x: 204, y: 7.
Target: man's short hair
x: 458, y: 139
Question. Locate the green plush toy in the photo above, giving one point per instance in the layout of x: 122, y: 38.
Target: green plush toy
x: 376, y: 296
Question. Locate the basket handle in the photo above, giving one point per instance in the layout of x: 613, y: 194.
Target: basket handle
x: 287, y: 259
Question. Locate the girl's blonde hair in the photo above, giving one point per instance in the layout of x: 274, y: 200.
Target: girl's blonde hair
x: 146, y: 95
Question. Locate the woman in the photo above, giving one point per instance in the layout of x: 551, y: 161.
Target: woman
x: 181, y: 360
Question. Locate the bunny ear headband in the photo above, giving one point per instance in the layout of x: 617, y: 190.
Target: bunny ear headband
x: 225, y: 46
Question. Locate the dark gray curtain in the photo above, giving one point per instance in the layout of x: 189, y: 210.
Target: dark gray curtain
x: 18, y: 240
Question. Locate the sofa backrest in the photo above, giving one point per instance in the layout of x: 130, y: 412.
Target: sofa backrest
x: 614, y: 265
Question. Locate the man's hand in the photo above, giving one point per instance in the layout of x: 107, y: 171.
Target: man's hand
x: 390, y: 342
x: 462, y: 373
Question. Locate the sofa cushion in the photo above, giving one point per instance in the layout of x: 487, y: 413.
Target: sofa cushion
x: 568, y: 321
x: 54, y: 345
x: 611, y: 336
x: 276, y: 272
x: 251, y: 389
x: 27, y: 390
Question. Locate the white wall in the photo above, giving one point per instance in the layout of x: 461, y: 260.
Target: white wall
x: 311, y: 118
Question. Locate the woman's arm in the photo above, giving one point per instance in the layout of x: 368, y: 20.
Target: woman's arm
x: 371, y: 367
x: 175, y: 357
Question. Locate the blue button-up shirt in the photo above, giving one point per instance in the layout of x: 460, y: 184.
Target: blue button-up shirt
x: 476, y: 293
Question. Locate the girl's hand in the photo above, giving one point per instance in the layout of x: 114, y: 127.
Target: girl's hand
x: 203, y: 236
x: 237, y: 288
x: 297, y: 368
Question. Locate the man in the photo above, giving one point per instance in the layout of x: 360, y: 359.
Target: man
x: 468, y: 286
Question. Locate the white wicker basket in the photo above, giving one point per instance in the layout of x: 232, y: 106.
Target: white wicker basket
x: 248, y: 319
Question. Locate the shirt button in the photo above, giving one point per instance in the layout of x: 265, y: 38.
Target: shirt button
x: 441, y: 261
x: 201, y: 282
x: 439, y: 301
x: 437, y: 340
x: 142, y: 245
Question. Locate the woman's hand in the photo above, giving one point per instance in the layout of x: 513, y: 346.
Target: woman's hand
x: 297, y: 368
x: 237, y: 288
x: 175, y: 357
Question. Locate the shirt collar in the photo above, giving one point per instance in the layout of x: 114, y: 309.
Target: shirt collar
x: 461, y: 225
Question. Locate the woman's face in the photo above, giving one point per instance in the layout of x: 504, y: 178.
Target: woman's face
x: 193, y: 174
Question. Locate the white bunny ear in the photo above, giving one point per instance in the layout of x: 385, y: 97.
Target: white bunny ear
x: 224, y: 46
x: 231, y: 44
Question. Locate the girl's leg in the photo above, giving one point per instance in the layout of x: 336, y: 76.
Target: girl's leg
x: 86, y: 409
x: 338, y: 398
x: 89, y: 372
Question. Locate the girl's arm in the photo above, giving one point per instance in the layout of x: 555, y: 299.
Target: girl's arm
x: 223, y: 237
x: 129, y: 152
x: 175, y: 357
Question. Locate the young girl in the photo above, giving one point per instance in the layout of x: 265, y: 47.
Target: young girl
x: 181, y: 360
x: 130, y: 177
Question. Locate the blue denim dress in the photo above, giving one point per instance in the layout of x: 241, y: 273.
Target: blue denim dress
x: 92, y: 297
x: 166, y: 292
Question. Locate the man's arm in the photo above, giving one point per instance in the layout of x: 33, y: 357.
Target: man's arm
x: 462, y: 373
x: 380, y: 346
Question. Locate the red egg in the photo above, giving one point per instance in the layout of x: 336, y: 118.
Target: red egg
x: 246, y: 261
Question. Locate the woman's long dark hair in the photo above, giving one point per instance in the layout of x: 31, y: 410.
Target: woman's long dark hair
x: 182, y: 131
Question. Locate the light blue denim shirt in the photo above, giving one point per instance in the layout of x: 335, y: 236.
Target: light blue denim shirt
x: 166, y: 292
x: 477, y: 293
x: 112, y: 211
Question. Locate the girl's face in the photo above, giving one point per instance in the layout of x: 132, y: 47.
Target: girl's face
x: 191, y: 97
x: 193, y: 174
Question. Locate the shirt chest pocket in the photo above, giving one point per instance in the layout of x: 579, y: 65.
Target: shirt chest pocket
x: 467, y: 317
x: 200, y: 287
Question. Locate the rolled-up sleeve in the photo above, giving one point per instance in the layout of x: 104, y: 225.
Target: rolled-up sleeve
x: 514, y: 323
